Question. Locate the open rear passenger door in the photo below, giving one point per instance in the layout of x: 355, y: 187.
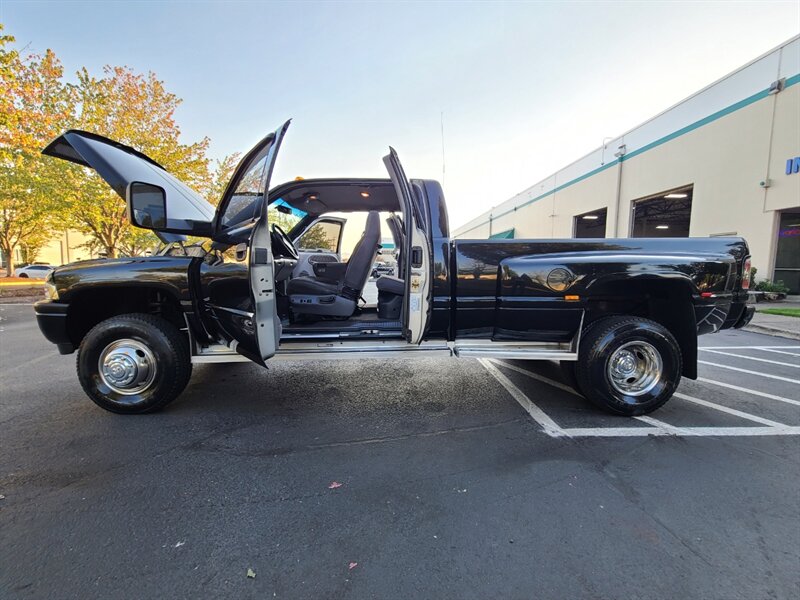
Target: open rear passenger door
x: 417, y: 255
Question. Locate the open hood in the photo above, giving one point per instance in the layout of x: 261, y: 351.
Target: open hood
x: 120, y: 166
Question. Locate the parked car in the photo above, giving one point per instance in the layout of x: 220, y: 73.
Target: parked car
x: 34, y: 271
x: 381, y: 268
x: 625, y: 313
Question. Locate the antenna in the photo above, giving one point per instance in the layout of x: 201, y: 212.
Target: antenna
x: 441, y: 122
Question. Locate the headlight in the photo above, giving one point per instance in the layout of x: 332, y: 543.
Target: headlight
x: 50, y: 291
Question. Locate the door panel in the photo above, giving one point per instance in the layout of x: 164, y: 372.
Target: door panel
x: 417, y: 272
x: 241, y: 292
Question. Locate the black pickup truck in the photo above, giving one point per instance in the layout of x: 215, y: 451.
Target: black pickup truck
x: 622, y: 315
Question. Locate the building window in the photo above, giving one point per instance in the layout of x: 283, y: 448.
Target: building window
x: 666, y: 215
x: 591, y: 224
x: 787, y: 257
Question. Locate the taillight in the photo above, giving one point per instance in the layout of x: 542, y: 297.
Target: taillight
x: 746, y: 274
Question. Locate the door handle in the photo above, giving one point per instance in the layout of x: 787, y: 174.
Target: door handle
x: 416, y: 257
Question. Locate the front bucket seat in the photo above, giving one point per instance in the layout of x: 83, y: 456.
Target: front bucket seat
x: 316, y: 296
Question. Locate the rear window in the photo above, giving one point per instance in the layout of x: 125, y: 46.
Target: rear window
x: 321, y: 236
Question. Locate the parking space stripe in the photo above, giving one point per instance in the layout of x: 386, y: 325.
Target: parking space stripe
x: 549, y: 426
x: 746, y: 347
x: 650, y: 420
x: 681, y: 431
x: 672, y: 429
x: 766, y: 360
x: 730, y: 411
x: 767, y: 375
x: 655, y: 427
x: 779, y: 351
x: 749, y: 391
x: 542, y: 378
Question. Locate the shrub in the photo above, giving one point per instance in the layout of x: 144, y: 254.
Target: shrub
x: 767, y: 286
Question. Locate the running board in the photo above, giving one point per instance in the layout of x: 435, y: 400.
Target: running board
x: 340, y: 349
x: 216, y: 353
x: 515, y: 350
x: 361, y: 349
x: 353, y: 335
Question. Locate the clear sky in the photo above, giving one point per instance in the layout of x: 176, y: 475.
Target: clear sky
x: 525, y: 87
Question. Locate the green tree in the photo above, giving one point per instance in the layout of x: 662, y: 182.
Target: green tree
x: 34, y: 105
x: 136, y: 110
x: 137, y: 241
x: 223, y: 171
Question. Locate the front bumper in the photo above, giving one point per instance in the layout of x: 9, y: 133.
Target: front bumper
x: 52, y: 320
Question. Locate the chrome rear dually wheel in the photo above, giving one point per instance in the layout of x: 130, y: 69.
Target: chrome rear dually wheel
x: 628, y: 365
x: 635, y: 368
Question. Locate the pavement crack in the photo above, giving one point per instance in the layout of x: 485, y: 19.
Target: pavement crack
x: 348, y: 443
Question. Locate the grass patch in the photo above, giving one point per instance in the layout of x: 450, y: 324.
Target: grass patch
x: 786, y: 312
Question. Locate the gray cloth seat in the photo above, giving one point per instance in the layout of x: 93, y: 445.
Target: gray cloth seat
x: 391, y: 292
x: 312, y: 285
x: 315, y: 296
x: 393, y: 285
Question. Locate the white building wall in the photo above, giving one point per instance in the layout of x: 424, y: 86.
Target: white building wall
x: 724, y: 140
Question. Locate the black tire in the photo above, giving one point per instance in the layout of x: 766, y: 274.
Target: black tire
x: 569, y: 375
x: 569, y: 368
x: 23, y: 276
x: 157, y: 342
x: 641, y: 343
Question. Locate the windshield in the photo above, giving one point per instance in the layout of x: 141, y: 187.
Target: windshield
x: 284, y: 216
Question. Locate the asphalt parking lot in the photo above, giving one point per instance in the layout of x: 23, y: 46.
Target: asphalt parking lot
x: 417, y: 479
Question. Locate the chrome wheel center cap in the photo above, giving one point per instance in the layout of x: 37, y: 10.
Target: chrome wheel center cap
x: 626, y: 363
x: 127, y: 366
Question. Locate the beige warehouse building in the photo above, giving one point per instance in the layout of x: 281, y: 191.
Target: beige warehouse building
x: 725, y: 161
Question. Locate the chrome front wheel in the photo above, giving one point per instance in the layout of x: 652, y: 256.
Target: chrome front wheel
x: 127, y: 366
x: 134, y: 363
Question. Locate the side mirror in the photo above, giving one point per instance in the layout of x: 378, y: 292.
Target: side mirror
x: 147, y: 205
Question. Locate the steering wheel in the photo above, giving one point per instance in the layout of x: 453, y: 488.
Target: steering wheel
x: 282, y: 241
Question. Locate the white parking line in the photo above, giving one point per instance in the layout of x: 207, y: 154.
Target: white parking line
x: 650, y: 420
x: 767, y: 375
x: 681, y: 431
x: 730, y: 411
x: 746, y: 347
x: 766, y: 360
x: 542, y: 378
x: 749, y: 391
x: 779, y: 351
x: 549, y: 426
x: 657, y: 428
x: 659, y: 424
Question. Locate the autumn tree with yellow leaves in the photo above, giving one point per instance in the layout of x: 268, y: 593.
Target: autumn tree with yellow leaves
x: 40, y: 195
x: 34, y: 105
